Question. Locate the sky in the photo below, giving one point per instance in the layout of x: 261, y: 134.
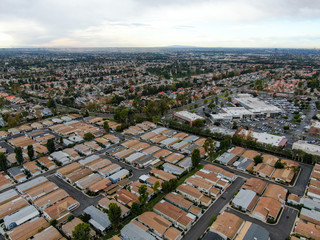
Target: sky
x: 159, y: 23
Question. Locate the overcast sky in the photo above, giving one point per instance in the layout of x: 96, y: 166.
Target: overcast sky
x: 156, y: 23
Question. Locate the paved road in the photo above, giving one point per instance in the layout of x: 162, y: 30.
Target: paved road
x: 5, y: 145
x: 201, y: 226
x: 298, y: 189
x: 136, y: 173
x: 279, y: 231
x: 84, y: 200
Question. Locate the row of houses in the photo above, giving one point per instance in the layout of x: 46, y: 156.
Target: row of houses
x: 261, y: 200
x: 38, y: 125
x: 172, y: 139
x: 92, y: 174
x: 308, y: 223
x: 243, y: 160
x: 47, y: 200
x: 175, y: 214
x: 139, y: 128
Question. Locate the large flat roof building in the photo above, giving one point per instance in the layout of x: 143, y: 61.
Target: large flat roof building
x: 257, y: 106
x: 187, y: 117
x: 307, y: 147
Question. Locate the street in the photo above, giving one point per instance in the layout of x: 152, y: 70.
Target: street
x: 84, y: 200
x: 201, y: 226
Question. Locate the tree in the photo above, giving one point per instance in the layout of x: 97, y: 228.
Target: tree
x: 143, y: 194
x: 3, y: 162
x: 258, y: 159
x: 81, y: 232
x: 19, y: 156
x: 51, y: 103
x: 195, y: 157
x: 38, y: 114
x: 234, y: 125
x: 114, y: 214
x: 156, y: 186
x: 210, y: 147
x: 279, y: 164
x: 169, y: 186
x: 88, y: 137
x: 135, y: 209
x: 106, y: 126
x: 307, y: 158
x: 86, y: 113
x: 30, y: 152
x: 286, y: 127
x: 50, y: 145
x: 198, y: 123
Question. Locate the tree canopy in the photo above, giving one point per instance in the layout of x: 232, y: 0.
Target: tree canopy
x: 88, y: 136
x: 258, y: 159
x: 81, y: 232
x: 195, y: 157
x: 143, y: 194
x: 210, y: 147
x: 50, y: 145
x: 106, y: 126
x: 19, y: 156
x: 3, y: 162
x: 114, y: 214
x: 30, y: 152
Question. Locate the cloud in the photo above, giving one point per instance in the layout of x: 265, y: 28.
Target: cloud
x: 153, y: 23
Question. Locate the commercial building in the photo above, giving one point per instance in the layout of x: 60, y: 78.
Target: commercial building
x: 187, y: 117
x: 266, y: 138
x: 233, y: 114
x: 258, y: 107
x: 307, y: 147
